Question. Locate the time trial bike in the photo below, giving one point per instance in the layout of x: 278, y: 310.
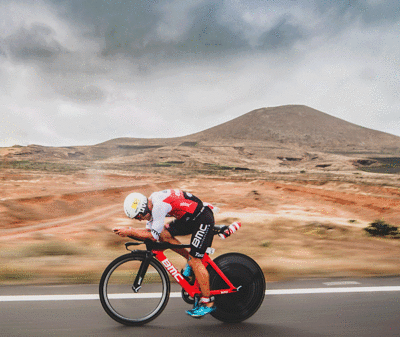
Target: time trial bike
x: 135, y: 288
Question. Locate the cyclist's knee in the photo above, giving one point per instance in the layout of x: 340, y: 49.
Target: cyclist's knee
x: 194, y: 261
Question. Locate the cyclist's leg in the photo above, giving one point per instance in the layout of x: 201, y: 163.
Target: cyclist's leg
x: 202, y: 239
x: 202, y: 277
x: 167, y: 237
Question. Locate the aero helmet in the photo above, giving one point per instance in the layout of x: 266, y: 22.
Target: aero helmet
x: 135, y: 204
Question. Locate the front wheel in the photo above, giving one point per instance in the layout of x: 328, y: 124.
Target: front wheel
x: 245, y: 273
x: 118, y: 298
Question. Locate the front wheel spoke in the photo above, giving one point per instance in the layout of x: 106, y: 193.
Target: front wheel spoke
x: 126, y: 304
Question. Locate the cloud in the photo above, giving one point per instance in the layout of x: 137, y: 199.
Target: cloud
x: 34, y: 43
x: 283, y: 35
x: 82, y: 72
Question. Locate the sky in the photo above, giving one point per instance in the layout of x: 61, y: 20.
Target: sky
x: 81, y: 72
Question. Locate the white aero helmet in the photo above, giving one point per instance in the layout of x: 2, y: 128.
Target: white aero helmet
x: 135, y: 204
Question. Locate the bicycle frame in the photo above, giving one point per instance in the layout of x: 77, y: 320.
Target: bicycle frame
x: 157, y: 249
x: 194, y: 289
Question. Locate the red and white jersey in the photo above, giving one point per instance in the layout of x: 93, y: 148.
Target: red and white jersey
x: 175, y: 203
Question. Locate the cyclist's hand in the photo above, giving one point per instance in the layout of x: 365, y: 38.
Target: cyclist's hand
x: 122, y: 231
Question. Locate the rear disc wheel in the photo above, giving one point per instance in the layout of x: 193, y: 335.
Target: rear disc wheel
x: 245, y: 273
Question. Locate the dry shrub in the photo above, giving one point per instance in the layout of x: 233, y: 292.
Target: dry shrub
x: 51, y: 248
x: 11, y: 274
x: 324, y: 230
x: 381, y: 228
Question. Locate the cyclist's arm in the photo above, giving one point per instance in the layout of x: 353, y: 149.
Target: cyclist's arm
x: 138, y: 233
x: 159, y: 212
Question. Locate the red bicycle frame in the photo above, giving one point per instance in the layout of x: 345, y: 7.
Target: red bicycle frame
x: 194, y: 289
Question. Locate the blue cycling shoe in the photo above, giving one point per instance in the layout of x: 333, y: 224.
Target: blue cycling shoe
x: 187, y: 271
x: 200, y: 311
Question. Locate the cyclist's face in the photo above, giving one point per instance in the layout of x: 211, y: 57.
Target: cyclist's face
x: 141, y: 217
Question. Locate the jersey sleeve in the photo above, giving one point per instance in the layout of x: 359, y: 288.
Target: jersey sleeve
x: 159, y: 212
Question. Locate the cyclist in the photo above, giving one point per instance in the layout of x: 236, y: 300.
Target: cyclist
x: 192, y: 216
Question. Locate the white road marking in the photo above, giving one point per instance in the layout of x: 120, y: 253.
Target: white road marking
x: 330, y: 290
x: 23, y: 298
x: 341, y: 283
x: 79, y: 297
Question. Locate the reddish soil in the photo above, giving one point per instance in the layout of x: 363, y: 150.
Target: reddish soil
x: 57, y: 228
x: 33, y: 201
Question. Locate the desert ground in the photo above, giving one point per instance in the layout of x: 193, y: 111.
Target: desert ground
x: 304, y: 184
x: 56, y: 227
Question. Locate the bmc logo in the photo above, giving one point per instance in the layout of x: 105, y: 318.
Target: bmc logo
x: 199, y: 235
x: 172, y: 270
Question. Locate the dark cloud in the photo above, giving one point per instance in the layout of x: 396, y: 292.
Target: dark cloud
x: 387, y: 11
x: 124, y: 26
x: 87, y: 94
x: 34, y: 43
x: 131, y: 27
x: 343, y: 13
x: 199, y: 62
x: 208, y: 36
x: 139, y: 36
x: 135, y: 29
x: 283, y: 35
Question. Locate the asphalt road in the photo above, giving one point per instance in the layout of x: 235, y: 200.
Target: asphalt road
x: 344, y: 307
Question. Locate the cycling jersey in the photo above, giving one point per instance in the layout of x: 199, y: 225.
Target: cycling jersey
x: 172, y: 203
x: 192, y: 216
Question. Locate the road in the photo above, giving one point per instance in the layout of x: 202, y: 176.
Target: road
x: 323, y: 307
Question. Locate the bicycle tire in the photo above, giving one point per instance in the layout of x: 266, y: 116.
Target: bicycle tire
x: 242, y: 271
x: 118, y: 299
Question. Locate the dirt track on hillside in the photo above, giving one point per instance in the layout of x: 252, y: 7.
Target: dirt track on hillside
x: 74, y: 201
x: 57, y: 228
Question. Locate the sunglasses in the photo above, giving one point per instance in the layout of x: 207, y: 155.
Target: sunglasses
x: 140, y: 215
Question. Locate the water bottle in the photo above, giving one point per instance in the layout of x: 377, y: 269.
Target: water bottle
x: 232, y: 228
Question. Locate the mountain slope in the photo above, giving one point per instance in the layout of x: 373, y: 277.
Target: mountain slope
x: 303, y: 126
x: 280, y: 139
